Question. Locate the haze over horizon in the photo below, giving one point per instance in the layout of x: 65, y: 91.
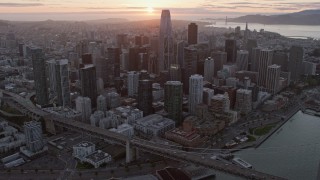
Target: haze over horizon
x: 32, y: 10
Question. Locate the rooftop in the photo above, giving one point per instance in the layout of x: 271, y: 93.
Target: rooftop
x: 84, y: 144
x: 98, y: 156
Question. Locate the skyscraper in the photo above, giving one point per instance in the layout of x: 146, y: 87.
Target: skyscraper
x: 33, y: 133
x: 220, y: 58
x: 190, y: 66
x: 282, y: 59
x: 87, y: 59
x: 195, y: 92
x: 295, y: 62
x: 51, y: 76
x: 114, y: 56
x: 145, y: 97
x: 62, y: 82
x: 255, y: 56
x: 40, y: 80
x: 101, y: 103
x: 133, y: 82
x: 83, y: 105
x: 89, y: 83
x: 231, y: 50
x: 242, y: 60
x: 264, y: 61
x: 192, y: 33
x: 244, y: 101
x: 165, y: 41
x: 180, y: 52
x: 175, y: 72
x: 209, y: 69
x: 173, y: 95
x: 272, y: 79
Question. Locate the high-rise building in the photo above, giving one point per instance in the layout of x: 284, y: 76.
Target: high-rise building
x: 220, y: 103
x: 101, y: 103
x: 295, y: 62
x: 282, y: 59
x: 209, y: 64
x: 87, y: 59
x: 51, y: 76
x: 255, y: 56
x: 175, y: 72
x: 113, y: 100
x: 62, y: 82
x: 114, y: 56
x: 242, y: 60
x: 133, y: 83
x: 180, y: 52
x: 190, y: 66
x: 251, y: 43
x: 145, y: 97
x: 165, y: 41
x: 264, y: 61
x: 244, y: 101
x: 122, y: 40
x: 89, y: 83
x: 83, y: 105
x: 272, y: 78
x: 309, y: 68
x: 220, y: 58
x: 192, y: 33
x: 231, y: 50
x: 40, y: 79
x: 207, y: 95
x: 195, y: 92
x: 34, y: 138
x: 173, y: 95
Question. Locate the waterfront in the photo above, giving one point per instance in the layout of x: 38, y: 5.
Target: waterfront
x: 292, y: 152
x: 285, y: 30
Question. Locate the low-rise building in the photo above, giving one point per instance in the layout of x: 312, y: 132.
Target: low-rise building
x: 190, y: 139
x: 124, y: 129
x: 97, y: 158
x: 83, y: 149
x: 153, y: 125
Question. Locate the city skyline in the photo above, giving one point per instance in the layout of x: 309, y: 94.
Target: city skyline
x: 30, y: 10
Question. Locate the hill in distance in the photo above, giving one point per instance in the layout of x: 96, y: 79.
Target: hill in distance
x: 307, y: 17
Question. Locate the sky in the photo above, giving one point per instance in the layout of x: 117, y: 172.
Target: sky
x: 145, y: 9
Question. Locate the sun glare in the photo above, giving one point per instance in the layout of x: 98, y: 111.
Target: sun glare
x: 150, y: 10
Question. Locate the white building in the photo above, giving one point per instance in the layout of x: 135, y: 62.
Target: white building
x: 195, y: 92
x: 125, y: 114
x: 232, y: 81
x: 83, y: 105
x: 133, y: 83
x: 124, y: 129
x: 207, y: 95
x: 97, y: 158
x: 10, y: 138
x: 157, y: 92
x: 101, y: 103
x: 153, y: 125
x: 208, y: 69
x: 113, y: 100
x: 96, y: 117
x: 62, y: 82
x: 83, y: 149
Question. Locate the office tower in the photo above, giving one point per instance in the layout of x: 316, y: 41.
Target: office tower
x: 255, y: 56
x: 242, y: 60
x: 51, y: 76
x: 143, y: 61
x: 282, y: 59
x: 190, y: 66
x: 114, y: 57
x: 209, y: 69
x: 89, y: 83
x: 272, y: 79
x: 62, y: 82
x: 295, y: 62
x: 87, y: 59
x: 212, y: 41
x: 195, y: 92
x: 252, y: 75
x: 145, y: 97
x: 124, y: 60
x: 220, y: 103
x: 101, y: 103
x: 133, y: 82
x: 134, y: 58
x: 231, y: 50
x: 83, y: 105
x: 244, y: 101
x: 165, y: 41
x: 180, y: 52
x: 154, y: 44
x: 113, y: 100
x: 34, y: 138
x: 122, y: 41
x: 40, y: 79
x: 220, y: 58
x: 251, y: 43
x: 96, y: 117
x: 232, y: 82
x: 153, y: 64
x: 104, y: 69
x: 264, y: 61
x: 246, y: 34
x: 207, y: 95
x: 192, y: 33
x: 173, y: 95
x: 309, y: 68
x: 175, y: 72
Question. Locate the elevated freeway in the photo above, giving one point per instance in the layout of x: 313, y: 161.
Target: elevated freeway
x: 154, y: 148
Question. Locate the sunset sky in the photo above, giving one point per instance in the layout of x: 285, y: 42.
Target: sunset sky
x: 144, y: 9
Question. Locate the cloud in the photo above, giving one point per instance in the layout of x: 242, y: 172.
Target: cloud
x: 20, y: 4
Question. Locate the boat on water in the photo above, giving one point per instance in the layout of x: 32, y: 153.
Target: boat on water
x: 241, y: 163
